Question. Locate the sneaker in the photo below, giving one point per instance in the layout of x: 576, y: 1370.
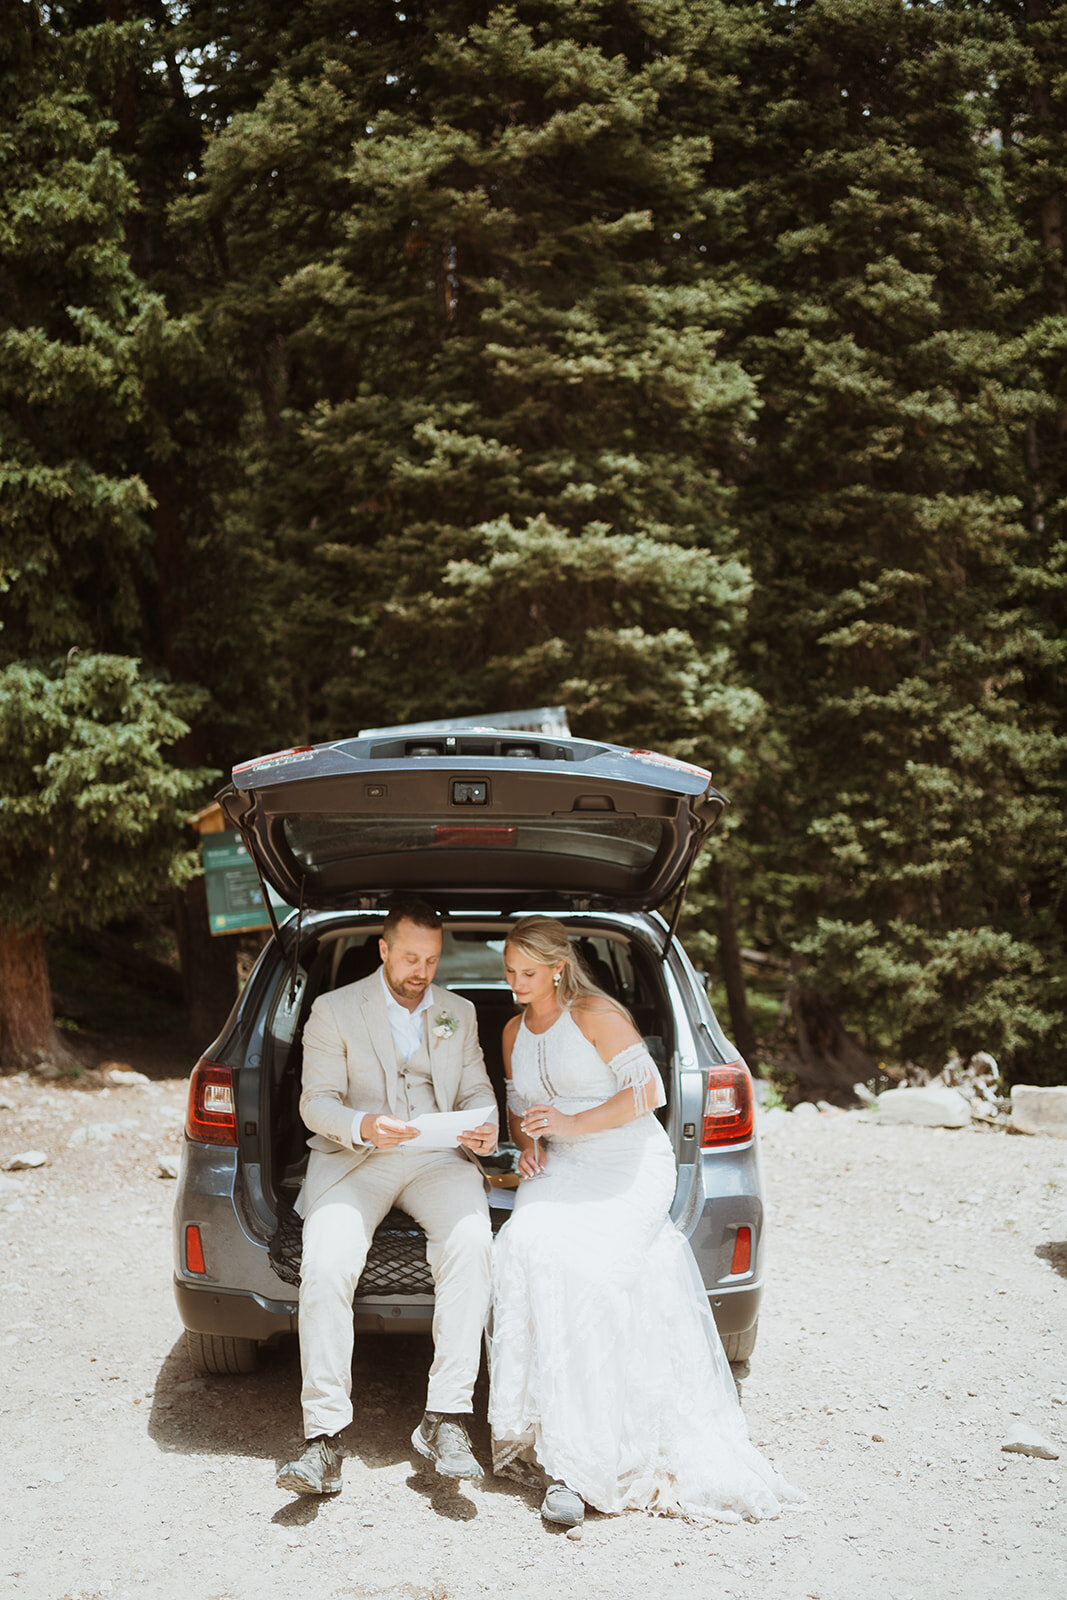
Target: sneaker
x: 317, y: 1471
x: 443, y: 1440
x: 564, y: 1505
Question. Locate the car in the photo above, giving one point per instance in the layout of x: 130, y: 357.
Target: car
x: 487, y: 825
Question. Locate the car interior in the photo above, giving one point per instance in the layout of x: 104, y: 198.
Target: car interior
x: 472, y: 966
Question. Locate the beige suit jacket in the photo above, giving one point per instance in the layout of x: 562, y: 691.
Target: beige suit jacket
x: 350, y: 1065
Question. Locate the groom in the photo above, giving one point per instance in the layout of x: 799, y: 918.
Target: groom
x: 377, y: 1053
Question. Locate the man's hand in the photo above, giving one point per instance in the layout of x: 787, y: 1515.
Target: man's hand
x: 481, y: 1140
x: 385, y: 1132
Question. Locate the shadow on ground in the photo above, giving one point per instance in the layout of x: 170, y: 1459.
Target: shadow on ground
x: 1055, y: 1254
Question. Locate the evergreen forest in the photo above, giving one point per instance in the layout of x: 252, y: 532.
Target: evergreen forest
x: 698, y: 365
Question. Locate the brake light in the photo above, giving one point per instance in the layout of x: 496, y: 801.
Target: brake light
x: 194, y: 1249
x: 728, y: 1106
x: 295, y: 752
x: 211, y: 1116
x: 458, y: 834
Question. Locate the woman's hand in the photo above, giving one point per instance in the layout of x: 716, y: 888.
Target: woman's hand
x: 532, y: 1161
x: 545, y: 1122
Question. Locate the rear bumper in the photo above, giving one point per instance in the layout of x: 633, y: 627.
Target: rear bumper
x: 229, y: 1312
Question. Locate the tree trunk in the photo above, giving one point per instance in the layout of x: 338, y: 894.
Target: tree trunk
x: 733, y: 975
x: 828, y: 1059
x: 209, y: 965
x: 27, y: 1026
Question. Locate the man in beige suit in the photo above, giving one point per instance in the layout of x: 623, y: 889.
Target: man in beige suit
x: 377, y: 1053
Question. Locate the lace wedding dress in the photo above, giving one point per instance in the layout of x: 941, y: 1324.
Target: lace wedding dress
x: 606, y: 1366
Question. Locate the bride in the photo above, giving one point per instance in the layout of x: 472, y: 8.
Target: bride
x: 606, y: 1368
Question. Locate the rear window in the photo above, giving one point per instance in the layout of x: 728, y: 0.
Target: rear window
x: 604, y: 853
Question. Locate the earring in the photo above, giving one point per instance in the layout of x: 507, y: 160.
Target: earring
x: 555, y: 979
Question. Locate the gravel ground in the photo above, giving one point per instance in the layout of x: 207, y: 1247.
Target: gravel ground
x: 910, y: 1321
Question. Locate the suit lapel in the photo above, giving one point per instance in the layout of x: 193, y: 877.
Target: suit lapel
x: 381, y: 1036
x: 443, y: 1085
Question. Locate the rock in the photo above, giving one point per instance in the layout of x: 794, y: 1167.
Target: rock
x: 6, y: 1104
x: 828, y: 1110
x: 93, y: 1133
x: 168, y: 1167
x: 770, y: 1121
x: 28, y: 1159
x: 805, y: 1112
x: 574, y: 1533
x: 864, y: 1095
x: 1035, y: 1110
x: 925, y: 1107
x: 48, y: 1070
x: 125, y: 1077
x: 1028, y: 1442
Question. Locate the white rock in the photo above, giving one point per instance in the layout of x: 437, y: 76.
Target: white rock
x: 1035, y: 1110
x: 866, y: 1096
x: 770, y: 1121
x: 28, y: 1158
x: 93, y: 1133
x: 1028, y: 1442
x: 6, y: 1104
x: 805, y: 1112
x: 925, y: 1107
x: 126, y: 1077
x: 168, y: 1167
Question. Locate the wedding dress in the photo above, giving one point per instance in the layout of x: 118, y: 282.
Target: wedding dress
x: 606, y: 1367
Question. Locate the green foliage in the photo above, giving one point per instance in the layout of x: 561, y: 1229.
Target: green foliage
x: 904, y: 830
x: 92, y: 812
x: 496, y: 415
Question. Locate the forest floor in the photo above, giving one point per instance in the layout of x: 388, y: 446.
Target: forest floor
x: 914, y: 1314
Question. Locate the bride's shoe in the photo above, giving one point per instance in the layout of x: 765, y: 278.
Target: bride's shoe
x: 564, y: 1505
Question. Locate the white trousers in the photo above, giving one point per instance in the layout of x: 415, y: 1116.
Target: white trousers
x: 445, y: 1195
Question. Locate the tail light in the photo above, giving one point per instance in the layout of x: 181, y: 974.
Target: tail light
x: 728, y: 1106
x: 211, y: 1117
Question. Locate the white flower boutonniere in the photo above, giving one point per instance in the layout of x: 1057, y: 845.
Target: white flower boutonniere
x: 444, y: 1026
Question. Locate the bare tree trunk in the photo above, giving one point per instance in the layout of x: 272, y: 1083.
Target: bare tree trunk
x: 828, y: 1059
x: 209, y: 965
x: 27, y: 1025
x: 733, y: 976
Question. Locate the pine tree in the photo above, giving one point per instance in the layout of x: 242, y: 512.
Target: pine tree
x: 497, y: 427
x: 901, y: 823
x: 90, y: 810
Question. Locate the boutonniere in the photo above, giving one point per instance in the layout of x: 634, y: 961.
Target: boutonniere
x: 444, y: 1026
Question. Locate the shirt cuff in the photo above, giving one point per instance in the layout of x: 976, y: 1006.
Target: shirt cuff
x: 357, y: 1138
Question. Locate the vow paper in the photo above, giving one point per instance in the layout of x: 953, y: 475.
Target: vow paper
x: 438, y: 1130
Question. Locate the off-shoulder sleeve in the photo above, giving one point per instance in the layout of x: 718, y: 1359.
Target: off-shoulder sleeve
x: 635, y: 1069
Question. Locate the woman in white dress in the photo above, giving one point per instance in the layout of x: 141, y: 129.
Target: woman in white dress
x: 606, y: 1367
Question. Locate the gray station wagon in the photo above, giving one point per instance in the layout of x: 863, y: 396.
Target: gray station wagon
x: 488, y: 826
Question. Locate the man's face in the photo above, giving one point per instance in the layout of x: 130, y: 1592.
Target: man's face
x: 410, y: 961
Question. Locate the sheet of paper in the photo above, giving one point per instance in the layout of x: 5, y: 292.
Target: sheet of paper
x: 438, y: 1130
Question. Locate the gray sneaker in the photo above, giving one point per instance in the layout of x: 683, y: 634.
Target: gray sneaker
x: 564, y: 1505
x: 443, y: 1440
x: 317, y: 1471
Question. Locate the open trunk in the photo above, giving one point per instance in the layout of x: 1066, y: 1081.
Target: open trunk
x: 471, y: 966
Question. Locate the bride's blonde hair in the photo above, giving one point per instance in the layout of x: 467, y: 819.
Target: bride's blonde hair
x: 544, y: 940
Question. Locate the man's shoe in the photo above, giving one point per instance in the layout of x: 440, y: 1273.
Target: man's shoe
x: 564, y: 1505
x: 443, y: 1440
x: 317, y: 1471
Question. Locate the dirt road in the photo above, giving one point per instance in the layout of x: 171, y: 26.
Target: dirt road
x: 908, y: 1325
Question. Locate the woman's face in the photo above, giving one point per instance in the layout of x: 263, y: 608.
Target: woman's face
x: 531, y: 981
